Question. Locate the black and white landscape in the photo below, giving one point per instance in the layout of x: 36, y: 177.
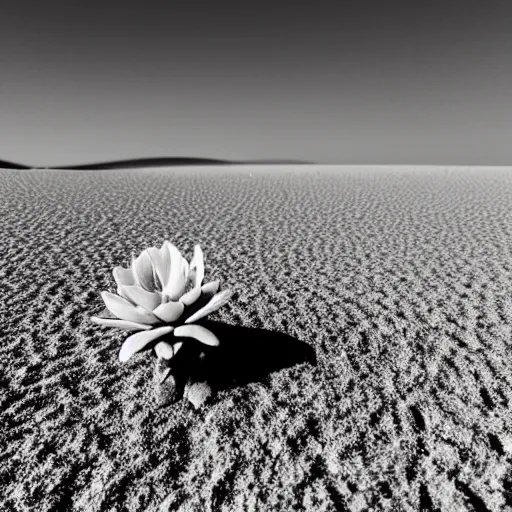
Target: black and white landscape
x: 346, y: 169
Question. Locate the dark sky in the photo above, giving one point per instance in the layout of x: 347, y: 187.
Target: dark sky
x: 369, y: 82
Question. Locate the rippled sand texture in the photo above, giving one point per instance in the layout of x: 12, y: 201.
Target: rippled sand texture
x: 401, y: 280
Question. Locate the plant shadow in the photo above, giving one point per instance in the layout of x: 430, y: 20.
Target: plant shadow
x: 248, y: 354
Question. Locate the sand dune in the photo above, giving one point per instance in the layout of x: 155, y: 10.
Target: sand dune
x: 400, y: 279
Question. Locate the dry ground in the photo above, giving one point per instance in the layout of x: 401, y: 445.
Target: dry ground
x: 399, y: 278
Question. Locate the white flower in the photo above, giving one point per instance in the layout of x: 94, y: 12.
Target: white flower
x: 162, y: 293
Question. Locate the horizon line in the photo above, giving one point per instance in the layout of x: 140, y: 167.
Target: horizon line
x: 153, y: 162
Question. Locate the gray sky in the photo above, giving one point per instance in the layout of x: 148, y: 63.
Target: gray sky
x: 358, y: 82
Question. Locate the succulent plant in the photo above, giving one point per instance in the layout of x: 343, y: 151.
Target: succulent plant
x: 161, y: 295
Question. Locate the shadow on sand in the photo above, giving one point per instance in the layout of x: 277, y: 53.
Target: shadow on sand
x: 245, y: 355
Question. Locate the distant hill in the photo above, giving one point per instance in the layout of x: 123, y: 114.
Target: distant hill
x: 4, y: 164
x: 145, y: 162
x: 153, y: 162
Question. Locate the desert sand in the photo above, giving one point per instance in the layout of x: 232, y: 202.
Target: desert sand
x: 399, y: 279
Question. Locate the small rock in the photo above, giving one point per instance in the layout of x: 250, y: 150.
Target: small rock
x: 165, y: 385
x: 197, y: 393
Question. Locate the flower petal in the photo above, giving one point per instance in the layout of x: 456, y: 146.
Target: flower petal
x: 191, y: 296
x: 185, y: 270
x: 197, y: 264
x: 161, y: 263
x: 143, y: 271
x: 122, y: 309
x: 140, y: 297
x: 215, y: 303
x: 200, y: 302
x: 123, y: 276
x: 121, y: 293
x: 175, y: 285
x: 136, y: 342
x: 153, y: 257
x: 191, y: 277
x: 177, y: 346
x: 197, y: 332
x: 211, y: 288
x: 121, y: 324
x: 170, y: 311
x: 164, y: 350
